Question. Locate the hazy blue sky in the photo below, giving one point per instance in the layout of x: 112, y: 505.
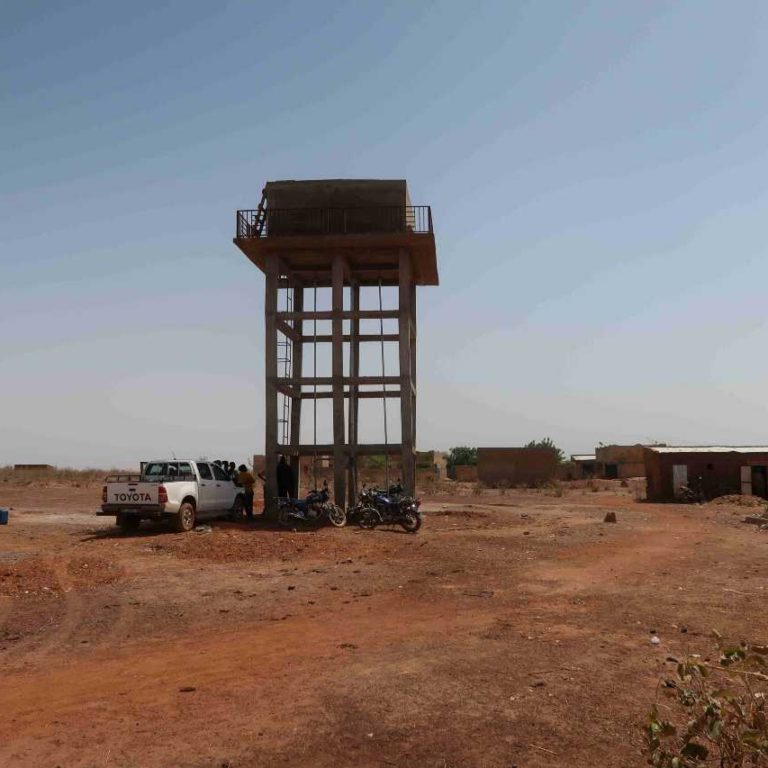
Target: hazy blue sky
x: 597, y: 172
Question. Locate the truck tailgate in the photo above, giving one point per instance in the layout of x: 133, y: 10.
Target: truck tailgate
x: 134, y: 494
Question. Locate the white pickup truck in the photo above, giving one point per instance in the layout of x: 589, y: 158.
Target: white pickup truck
x: 181, y: 491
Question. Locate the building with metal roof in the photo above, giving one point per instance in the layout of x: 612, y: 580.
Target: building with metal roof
x: 708, y: 470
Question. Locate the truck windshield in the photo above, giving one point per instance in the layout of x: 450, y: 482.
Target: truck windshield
x: 167, y: 470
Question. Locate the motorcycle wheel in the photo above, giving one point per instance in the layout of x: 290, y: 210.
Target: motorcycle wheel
x: 337, y: 516
x: 284, y: 518
x: 369, y: 518
x: 411, y: 522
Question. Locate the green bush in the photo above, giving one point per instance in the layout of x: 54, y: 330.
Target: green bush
x: 717, y: 712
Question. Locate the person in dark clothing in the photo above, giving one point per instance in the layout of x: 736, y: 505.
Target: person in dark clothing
x: 284, y: 478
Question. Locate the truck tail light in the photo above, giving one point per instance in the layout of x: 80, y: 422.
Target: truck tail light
x: 162, y: 495
x: 104, y: 495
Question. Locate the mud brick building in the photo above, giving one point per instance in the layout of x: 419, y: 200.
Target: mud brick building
x: 464, y: 473
x: 619, y: 462
x: 583, y: 465
x: 32, y: 467
x: 516, y: 466
x: 715, y: 470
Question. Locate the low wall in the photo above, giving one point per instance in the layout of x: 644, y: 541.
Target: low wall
x: 464, y: 473
x: 516, y: 466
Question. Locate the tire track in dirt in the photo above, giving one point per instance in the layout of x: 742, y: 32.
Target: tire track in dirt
x: 72, y: 615
x: 246, y: 660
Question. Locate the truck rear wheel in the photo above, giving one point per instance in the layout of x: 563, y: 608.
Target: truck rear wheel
x: 128, y: 523
x: 185, y: 519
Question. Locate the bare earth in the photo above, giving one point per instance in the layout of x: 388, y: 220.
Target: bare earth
x: 512, y: 630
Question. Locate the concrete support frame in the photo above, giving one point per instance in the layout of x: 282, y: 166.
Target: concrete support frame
x: 345, y: 391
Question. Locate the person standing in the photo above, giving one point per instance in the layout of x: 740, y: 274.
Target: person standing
x: 247, y: 481
x: 284, y: 478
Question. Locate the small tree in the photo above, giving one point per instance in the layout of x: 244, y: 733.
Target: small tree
x: 549, y: 444
x: 462, y: 454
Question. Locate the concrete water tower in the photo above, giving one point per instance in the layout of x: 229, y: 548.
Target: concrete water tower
x: 349, y: 236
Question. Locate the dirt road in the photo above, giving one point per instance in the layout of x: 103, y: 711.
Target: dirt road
x: 513, y: 629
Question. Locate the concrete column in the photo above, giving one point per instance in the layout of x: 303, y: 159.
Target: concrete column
x: 297, y: 356
x: 353, y: 410
x: 412, y: 327
x: 270, y: 390
x: 406, y: 397
x: 337, y: 367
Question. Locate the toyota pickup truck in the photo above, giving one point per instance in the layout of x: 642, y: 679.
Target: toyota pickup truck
x: 180, y: 491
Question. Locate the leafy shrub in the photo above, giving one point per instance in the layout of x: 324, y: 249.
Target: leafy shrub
x: 549, y: 444
x: 555, y: 488
x: 718, y: 713
x: 461, y: 454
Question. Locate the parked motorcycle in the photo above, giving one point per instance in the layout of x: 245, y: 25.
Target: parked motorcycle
x: 365, y: 499
x: 691, y: 493
x: 312, y: 510
x: 378, y: 507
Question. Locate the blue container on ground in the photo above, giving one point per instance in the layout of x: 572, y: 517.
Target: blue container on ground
x: 3, y: 516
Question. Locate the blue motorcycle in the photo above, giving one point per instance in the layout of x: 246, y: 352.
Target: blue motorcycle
x: 312, y: 510
x: 378, y: 507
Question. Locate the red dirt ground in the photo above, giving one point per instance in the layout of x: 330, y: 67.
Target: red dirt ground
x: 512, y: 630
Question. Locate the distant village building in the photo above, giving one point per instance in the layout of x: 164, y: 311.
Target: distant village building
x: 431, y: 461
x: 516, y: 466
x: 464, y: 473
x: 34, y: 467
x: 619, y: 462
x: 714, y: 470
x: 584, y: 465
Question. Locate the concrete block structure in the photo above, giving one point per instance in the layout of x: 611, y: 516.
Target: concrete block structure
x: 32, y: 467
x: 464, y: 473
x: 350, y: 236
x: 516, y: 466
x: 714, y: 470
x: 583, y: 466
x: 619, y: 462
x: 431, y: 462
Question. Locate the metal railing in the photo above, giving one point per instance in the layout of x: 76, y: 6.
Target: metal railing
x: 280, y: 222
